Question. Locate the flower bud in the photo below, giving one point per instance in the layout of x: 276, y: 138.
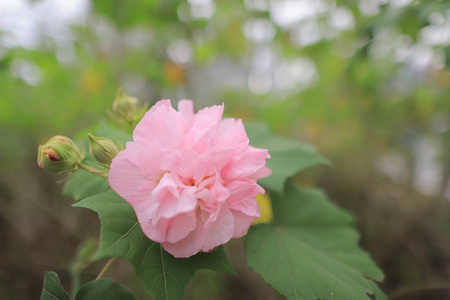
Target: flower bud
x: 59, y: 154
x: 103, y: 150
x: 127, y: 108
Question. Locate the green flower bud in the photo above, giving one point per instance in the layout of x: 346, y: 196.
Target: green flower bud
x: 126, y: 108
x: 103, y: 150
x: 59, y: 154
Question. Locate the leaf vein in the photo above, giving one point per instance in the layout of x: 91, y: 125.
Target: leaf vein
x: 50, y: 294
x: 123, y: 236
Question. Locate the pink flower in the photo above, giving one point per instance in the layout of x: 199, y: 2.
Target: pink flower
x: 191, y: 178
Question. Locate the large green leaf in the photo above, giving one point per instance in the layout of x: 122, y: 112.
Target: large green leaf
x: 312, y: 252
x: 104, y: 289
x: 52, y: 289
x: 288, y: 157
x: 84, y: 184
x: 164, y: 276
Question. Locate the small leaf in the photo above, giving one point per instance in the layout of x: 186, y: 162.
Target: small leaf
x: 104, y: 289
x: 288, y: 157
x: 164, y: 276
x: 312, y: 252
x: 52, y: 289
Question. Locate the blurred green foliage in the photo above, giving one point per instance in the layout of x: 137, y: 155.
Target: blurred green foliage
x: 370, y: 82
x: 355, y: 94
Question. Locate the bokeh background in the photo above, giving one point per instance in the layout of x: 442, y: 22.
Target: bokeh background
x: 366, y: 81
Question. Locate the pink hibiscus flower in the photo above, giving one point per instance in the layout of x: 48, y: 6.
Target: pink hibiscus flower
x: 191, y: 178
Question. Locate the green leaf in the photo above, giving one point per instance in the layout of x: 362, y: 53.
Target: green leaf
x: 52, y: 289
x: 101, y: 289
x: 379, y: 295
x: 84, y: 184
x: 288, y: 157
x: 164, y: 276
x: 104, y: 289
x: 312, y: 252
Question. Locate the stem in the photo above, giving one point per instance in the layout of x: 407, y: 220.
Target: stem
x: 75, y: 283
x: 92, y: 170
x: 105, y: 268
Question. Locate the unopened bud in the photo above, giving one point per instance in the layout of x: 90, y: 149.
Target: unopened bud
x: 127, y: 108
x: 59, y: 154
x: 103, y: 150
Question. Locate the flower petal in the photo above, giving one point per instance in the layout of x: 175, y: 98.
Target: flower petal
x: 186, y: 108
x: 220, y: 231
x: 190, y: 245
x: 204, y: 128
x: 242, y: 223
x: 162, y: 125
x: 171, y: 201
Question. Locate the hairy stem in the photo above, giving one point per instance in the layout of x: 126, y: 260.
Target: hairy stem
x: 92, y: 170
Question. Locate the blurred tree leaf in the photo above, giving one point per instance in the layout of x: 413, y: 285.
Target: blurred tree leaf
x: 312, y: 250
x: 52, y: 288
x: 164, y: 276
x: 288, y: 157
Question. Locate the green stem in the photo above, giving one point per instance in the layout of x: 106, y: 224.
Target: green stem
x: 92, y: 170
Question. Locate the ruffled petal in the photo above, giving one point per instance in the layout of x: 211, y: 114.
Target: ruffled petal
x: 204, y: 128
x: 220, y: 231
x: 241, y: 190
x: 186, y: 109
x: 190, y: 245
x: 171, y: 201
x: 231, y: 134
x: 162, y: 126
x: 181, y: 226
x: 188, y: 164
x: 247, y: 164
x: 124, y: 177
x: 242, y: 223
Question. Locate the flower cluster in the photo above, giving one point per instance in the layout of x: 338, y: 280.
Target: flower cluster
x: 191, y: 178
